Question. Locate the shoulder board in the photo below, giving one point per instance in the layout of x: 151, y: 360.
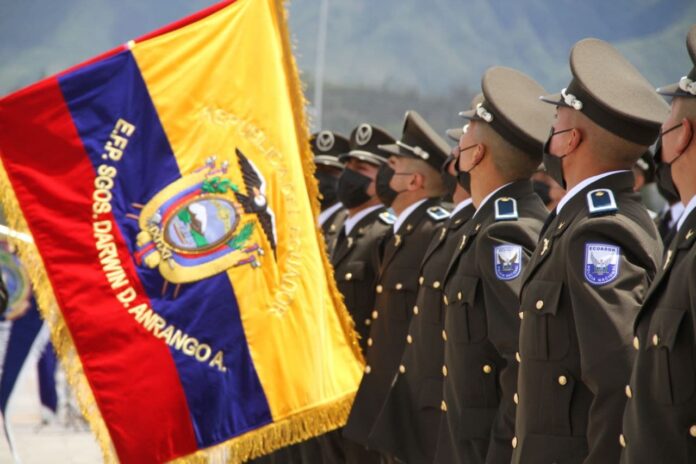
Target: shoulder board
x: 601, y: 201
x: 506, y: 209
x: 387, y: 218
x: 438, y: 213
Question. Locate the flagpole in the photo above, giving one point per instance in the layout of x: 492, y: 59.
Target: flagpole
x: 319, y: 71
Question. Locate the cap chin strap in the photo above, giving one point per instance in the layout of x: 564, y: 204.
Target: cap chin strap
x: 571, y: 100
x: 687, y: 85
x: 418, y: 151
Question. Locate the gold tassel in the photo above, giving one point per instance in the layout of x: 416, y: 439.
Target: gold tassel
x: 48, y: 308
x: 308, y: 167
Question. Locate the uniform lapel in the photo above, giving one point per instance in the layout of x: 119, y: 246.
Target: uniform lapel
x: 358, y: 231
x: 450, y: 227
x: 396, y: 241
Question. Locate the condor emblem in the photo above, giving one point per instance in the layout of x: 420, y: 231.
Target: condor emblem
x: 203, y: 223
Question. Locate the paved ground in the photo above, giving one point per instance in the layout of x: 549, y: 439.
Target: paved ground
x: 56, y: 442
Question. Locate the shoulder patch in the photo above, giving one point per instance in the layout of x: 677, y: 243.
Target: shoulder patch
x: 601, y: 201
x: 506, y: 209
x: 507, y: 260
x: 438, y: 213
x: 387, y: 218
x: 601, y: 263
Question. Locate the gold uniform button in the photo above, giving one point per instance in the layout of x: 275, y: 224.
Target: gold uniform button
x: 692, y: 430
x: 380, y: 289
x: 368, y: 369
x: 444, y: 334
x: 540, y: 304
x: 562, y: 380
x: 518, y: 357
x: 368, y: 321
x: 436, y: 284
x: 349, y: 276
x: 375, y: 314
x: 445, y: 300
x: 487, y: 369
x: 521, y: 314
x: 629, y: 393
x: 656, y: 339
x: 409, y: 339
x: 636, y: 343
x: 399, y: 286
x: 622, y: 440
x: 514, y: 442
x: 459, y: 295
x: 415, y: 310
x: 443, y: 406
x: 444, y: 371
x: 402, y: 369
x: 421, y: 279
x: 369, y: 342
x: 516, y: 398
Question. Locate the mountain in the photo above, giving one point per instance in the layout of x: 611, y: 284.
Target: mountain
x: 382, y: 56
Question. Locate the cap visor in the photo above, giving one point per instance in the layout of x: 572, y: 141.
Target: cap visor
x: 672, y: 90
x: 362, y: 155
x: 392, y: 149
x: 455, y: 134
x: 468, y: 114
x: 328, y: 161
x: 554, y: 99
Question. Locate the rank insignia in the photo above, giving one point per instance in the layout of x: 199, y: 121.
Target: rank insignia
x: 506, y: 209
x: 601, y: 201
x: 507, y: 260
x: 601, y: 263
x: 203, y: 224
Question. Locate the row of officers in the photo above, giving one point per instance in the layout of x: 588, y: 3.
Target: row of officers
x: 493, y: 331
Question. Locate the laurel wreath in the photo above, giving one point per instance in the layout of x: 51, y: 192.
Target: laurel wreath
x: 218, y: 185
x: 238, y: 240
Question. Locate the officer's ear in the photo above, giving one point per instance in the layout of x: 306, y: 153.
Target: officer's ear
x: 574, y: 140
x: 417, y: 181
x: 479, y: 154
x: 685, y: 136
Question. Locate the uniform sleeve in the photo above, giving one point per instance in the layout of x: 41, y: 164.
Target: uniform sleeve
x: 502, y: 254
x: 609, y: 269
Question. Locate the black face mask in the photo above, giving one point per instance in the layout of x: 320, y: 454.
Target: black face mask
x: 463, y: 177
x: 663, y: 176
x: 385, y: 193
x: 554, y: 164
x: 327, y: 188
x: 352, y: 188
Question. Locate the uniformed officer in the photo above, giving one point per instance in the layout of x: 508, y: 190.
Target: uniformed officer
x: 659, y: 424
x: 410, y: 417
x: 498, y: 154
x: 327, y: 146
x: 354, y: 254
x: 588, y: 276
x: 409, y: 184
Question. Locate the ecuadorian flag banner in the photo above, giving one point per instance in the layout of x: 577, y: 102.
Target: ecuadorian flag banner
x: 168, y: 187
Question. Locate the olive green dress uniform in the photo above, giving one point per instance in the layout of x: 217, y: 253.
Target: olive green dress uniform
x: 410, y: 418
x: 327, y: 147
x: 482, y: 283
x: 397, y: 283
x: 659, y: 425
x: 586, y: 281
x: 481, y: 323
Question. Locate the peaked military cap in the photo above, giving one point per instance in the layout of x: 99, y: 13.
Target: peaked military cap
x: 686, y: 87
x: 419, y: 141
x: 457, y: 132
x: 327, y: 146
x: 610, y: 91
x: 511, y: 107
x: 364, y: 144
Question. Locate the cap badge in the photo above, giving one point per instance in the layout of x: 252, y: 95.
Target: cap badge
x: 325, y: 141
x: 363, y: 134
x: 483, y: 113
x: 687, y: 85
x: 571, y: 100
